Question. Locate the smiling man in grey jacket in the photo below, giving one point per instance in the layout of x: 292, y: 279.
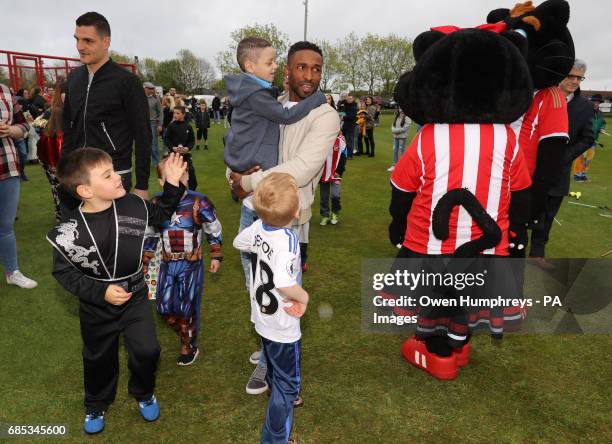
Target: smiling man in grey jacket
x: 303, y: 148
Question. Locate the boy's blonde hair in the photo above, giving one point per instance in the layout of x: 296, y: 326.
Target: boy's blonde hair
x: 277, y: 200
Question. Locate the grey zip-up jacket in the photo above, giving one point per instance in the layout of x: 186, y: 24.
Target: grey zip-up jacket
x: 253, y: 137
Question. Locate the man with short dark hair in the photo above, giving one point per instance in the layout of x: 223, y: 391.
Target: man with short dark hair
x: 105, y: 107
x: 303, y: 148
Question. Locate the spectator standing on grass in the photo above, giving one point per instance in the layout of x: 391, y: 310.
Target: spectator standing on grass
x: 202, y: 121
x: 360, y: 128
x: 348, y: 112
x: 227, y: 110
x: 106, y: 108
x: 582, y: 163
x: 216, y: 107
x: 580, y: 116
x: 12, y: 126
x: 399, y: 129
x: 372, y: 109
x: 20, y: 103
x: 179, y: 138
x: 155, y: 119
x: 49, y: 147
x: 167, y: 107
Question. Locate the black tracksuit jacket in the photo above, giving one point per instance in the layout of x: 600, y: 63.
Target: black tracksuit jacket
x: 113, y: 115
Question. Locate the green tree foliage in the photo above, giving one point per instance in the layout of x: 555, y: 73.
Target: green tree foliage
x: 226, y: 60
x: 350, y: 61
x: 167, y: 75
x: 148, y: 68
x: 331, y: 66
x: 194, y: 73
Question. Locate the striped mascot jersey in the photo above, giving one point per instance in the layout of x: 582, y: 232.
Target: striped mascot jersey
x: 546, y: 117
x: 484, y: 158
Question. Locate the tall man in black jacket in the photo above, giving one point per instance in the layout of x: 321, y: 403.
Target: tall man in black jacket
x: 105, y: 107
x: 580, y: 116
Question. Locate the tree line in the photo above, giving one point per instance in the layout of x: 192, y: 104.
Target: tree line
x: 369, y: 64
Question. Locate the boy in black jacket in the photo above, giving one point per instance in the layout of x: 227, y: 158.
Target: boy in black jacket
x: 179, y: 139
x: 202, y: 121
x: 98, y: 257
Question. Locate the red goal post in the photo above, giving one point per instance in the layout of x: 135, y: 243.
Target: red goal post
x: 26, y: 70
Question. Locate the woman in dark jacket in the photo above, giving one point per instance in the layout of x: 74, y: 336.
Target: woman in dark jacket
x: 371, y: 109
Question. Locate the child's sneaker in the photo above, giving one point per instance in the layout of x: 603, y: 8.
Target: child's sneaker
x: 255, y: 357
x: 324, y: 221
x: 17, y: 278
x: 94, y: 422
x: 257, y: 382
x: 334, y: 219
x: 149, y: 409
x: 188, y: 358
x: 391, y: 168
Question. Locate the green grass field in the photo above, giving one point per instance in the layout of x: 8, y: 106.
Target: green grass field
x: 357, y: 388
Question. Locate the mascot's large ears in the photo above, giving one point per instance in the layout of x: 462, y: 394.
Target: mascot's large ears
x: 524, y: 15
x: 551, y: 52
x: 420, y: 45
x: 497, y: 15
x: 424, y: 41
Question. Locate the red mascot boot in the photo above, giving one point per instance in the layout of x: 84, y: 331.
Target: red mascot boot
x: 462, y: 354
x: 439, y: 367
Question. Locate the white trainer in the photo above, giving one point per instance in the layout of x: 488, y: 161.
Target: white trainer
x: 17, y: 278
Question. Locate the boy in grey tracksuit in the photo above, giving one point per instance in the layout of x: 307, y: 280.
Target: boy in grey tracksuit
x: 253, y: 137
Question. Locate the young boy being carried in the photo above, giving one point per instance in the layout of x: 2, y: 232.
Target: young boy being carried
x: 98, y: 258
x: 254, y: 135
x: 277, y: 299
x: 181, y: 273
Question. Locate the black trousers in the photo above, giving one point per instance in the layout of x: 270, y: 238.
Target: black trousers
x: 541, y: 231
x: 101, y: 354
x: 202, y: 133
x: 369, y: 142
x: 192, y: 182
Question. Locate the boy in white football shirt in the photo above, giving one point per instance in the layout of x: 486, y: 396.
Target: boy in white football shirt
x: 277, y: 299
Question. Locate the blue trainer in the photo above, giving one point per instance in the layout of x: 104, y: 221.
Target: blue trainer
x: 149, y: 409
x: 94, y: 422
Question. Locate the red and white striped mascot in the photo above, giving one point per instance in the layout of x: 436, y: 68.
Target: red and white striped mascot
x: 461, y: 187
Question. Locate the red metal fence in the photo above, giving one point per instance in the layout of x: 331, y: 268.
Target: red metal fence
x: 27, y: 70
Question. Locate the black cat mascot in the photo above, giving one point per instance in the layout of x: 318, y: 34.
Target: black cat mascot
x: 464, y: 186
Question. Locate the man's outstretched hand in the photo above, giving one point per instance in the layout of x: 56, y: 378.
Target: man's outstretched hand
x: 235, y: 181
